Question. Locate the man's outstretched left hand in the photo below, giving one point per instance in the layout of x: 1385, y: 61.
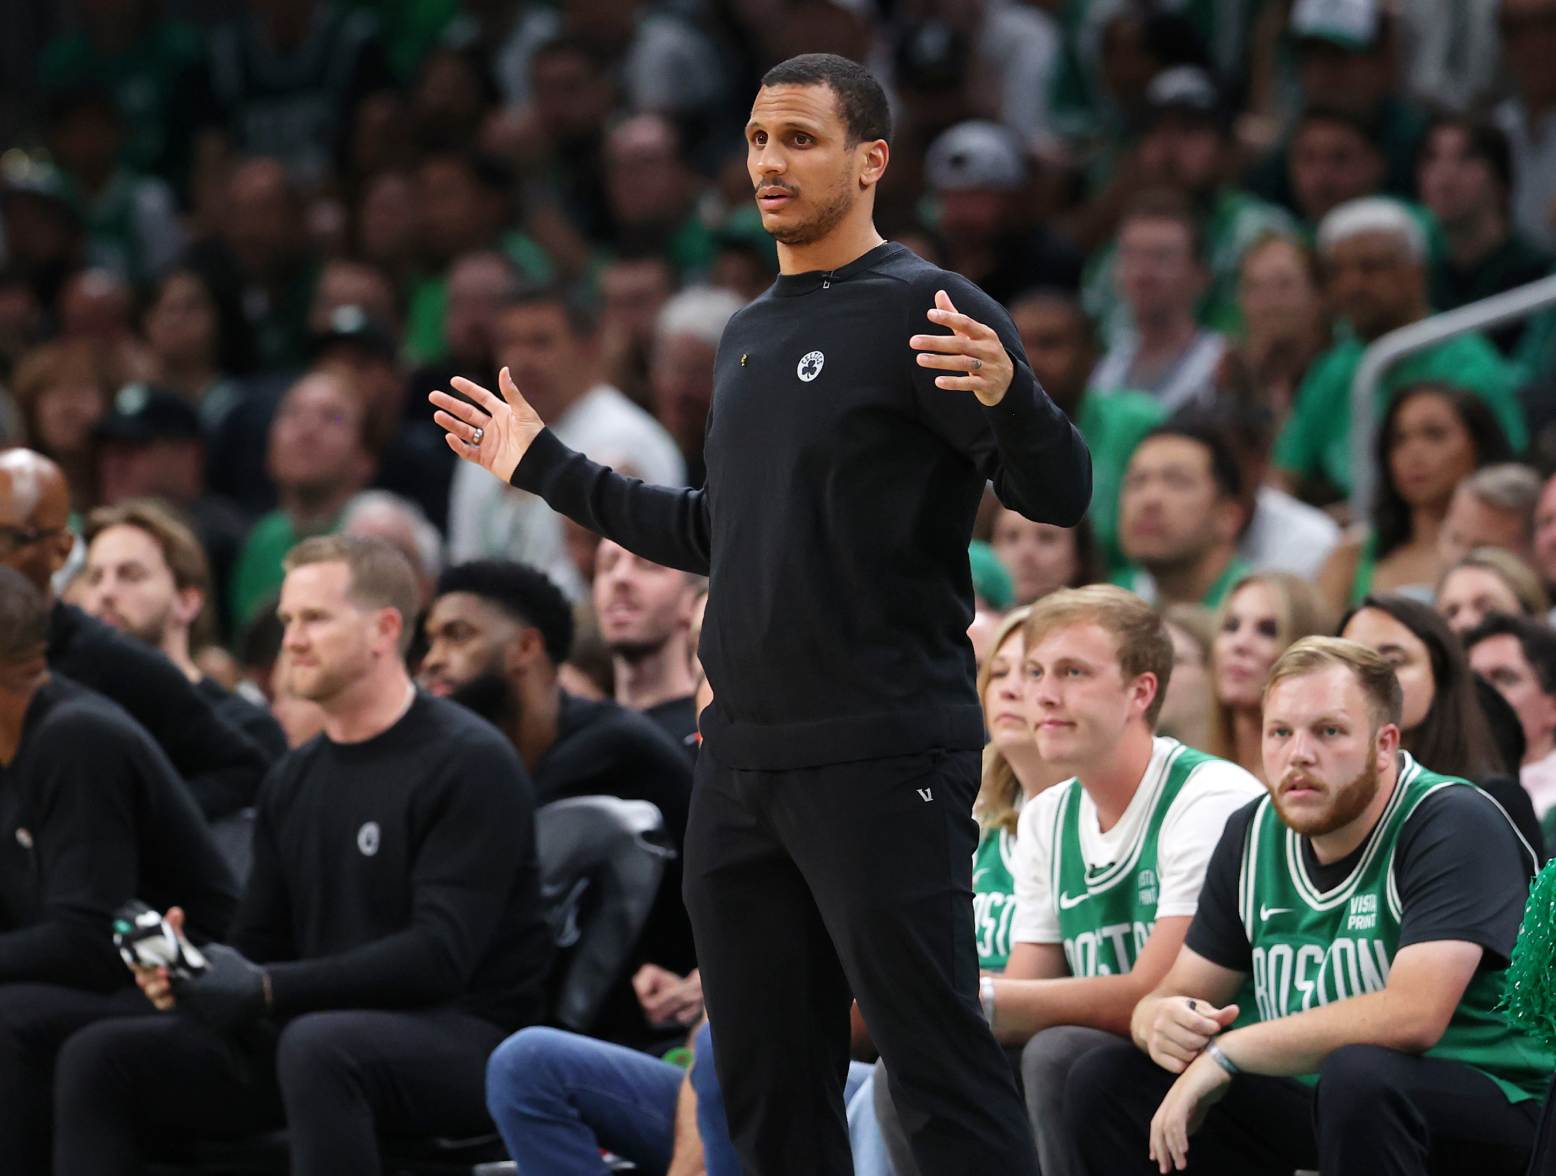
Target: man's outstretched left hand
x: 972, y: 349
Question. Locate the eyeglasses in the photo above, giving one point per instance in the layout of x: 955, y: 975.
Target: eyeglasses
x: 13, y: 538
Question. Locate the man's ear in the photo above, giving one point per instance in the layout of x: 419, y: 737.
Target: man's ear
x: 1386, y: 744
x: 873, y: 167
x: 522, y: 651
x: 59, y: 548
x: 187, y: 603
x: 1228, y: 516
x: 1143, y: 691
x: 388, y: 625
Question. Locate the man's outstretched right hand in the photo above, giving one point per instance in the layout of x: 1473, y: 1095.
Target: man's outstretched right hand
x: 492, y: 432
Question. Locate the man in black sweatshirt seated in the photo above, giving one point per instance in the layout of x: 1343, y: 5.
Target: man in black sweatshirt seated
x: 221, y: 765
x: 390, y: 936
x: 91, y: 816
x: 496, y: 633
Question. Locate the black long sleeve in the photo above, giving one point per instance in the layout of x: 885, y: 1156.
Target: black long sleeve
x: 834, y: 523
x: 399, y: 873
x: 91, y: 816
x: 221, y: 765
x: 660, y: 523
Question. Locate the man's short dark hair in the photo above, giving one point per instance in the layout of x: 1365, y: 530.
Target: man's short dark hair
x: 1364, y: 128
x: 860, y: 99
x: 1211, y: 432
x: 1066, y: 299
x: 1167, y: 204
x: 1484, y: 141
x: 524, y: 593
x: 24, y: 618
x: 1536, y: 641
x: 582, y: 315
x: 489, y: 171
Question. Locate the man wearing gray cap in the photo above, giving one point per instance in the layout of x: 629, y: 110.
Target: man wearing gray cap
x: 977, y: 171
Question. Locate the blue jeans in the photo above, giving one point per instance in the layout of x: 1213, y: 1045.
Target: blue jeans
x: 718, y: 1153
x: 559, y: 1097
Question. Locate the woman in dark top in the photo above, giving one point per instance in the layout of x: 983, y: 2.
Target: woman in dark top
x: 1432, y: 437
x: 1444, y: 722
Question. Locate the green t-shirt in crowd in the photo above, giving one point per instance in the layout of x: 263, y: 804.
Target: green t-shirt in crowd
x: 1316, y: 441
x: 154, y: 83
x: 1112, y: 423
x: 257, y: 575
x: 1140, y: 582
x: 1236, y: 220
x: 428, y: 302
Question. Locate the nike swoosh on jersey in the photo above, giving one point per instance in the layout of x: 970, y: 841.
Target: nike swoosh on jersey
x: 1066, y: 902
x: 1265, y: 912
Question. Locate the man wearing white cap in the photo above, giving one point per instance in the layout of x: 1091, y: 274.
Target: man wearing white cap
x: 976, y: 171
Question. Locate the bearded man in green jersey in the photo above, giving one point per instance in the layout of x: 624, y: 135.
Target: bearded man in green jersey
x: 1373, y: 903
x: 1108, y: 865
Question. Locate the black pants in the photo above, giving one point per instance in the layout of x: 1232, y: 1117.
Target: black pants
x: 1376, y: 1112
x: 35, y: 1020
x: 127, y: 1089
x: 805, y: 887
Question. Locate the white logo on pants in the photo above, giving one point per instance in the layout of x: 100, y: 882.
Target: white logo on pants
x: 368, y: 837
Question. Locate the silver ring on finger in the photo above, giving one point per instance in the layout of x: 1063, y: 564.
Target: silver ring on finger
x: 977, y: 364
x: 476, y: 438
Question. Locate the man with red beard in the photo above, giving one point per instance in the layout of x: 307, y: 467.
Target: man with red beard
x: 645, y: 616
x: 1374, y: 903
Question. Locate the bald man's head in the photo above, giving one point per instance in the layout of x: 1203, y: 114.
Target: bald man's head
x: 35, y: 538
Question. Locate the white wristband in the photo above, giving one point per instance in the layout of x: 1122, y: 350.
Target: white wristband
x: 986, y: 998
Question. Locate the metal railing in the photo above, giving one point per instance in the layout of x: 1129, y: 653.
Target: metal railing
x: 1387, y: 350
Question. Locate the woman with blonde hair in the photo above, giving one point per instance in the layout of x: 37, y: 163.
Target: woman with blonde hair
x: 1012, y: 769
x: 1488, y: 580
x: 1263, y: 614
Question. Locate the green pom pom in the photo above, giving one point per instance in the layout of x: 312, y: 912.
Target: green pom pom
x: 1529, y: 992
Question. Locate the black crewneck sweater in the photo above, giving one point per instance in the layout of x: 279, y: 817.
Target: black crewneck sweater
x: 833, y: 526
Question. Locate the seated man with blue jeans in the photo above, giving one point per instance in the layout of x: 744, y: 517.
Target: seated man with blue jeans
x: 559, y: 1098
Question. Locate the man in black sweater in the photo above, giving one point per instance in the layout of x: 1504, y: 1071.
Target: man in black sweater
x: 92, y: 815
x: 390, y: 936
x: 221, y: 765
x: 829, y: 848
x: 645, y: 613
x: 496, y: 634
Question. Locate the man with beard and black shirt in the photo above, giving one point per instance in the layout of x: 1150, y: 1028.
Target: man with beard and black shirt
x: 92, y: 815
x: 146, y: 575
x: 221, y: 765
x: 645, y: 616
x: 496, y: 633
x: 391, y: 934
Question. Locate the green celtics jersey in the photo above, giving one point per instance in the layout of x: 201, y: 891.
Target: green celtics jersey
x: 1312, y: 947
x: 1106, y: 914
x: 994, y: 898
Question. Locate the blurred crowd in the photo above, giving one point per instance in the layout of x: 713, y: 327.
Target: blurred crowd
x: 237, y: 253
